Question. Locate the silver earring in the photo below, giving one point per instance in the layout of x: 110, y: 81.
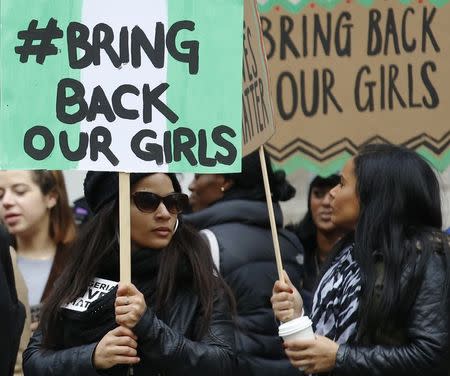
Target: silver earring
x: 176, y: 226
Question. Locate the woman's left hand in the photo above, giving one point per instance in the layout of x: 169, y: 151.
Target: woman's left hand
x: 130, y: 305
x: 313, y: 355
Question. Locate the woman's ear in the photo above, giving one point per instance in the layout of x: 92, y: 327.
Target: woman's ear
x: 52, y: 200
x: 227, y: 184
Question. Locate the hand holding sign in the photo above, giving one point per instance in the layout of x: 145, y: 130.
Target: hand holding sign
x: 130, y: 305
x: 287, y: 303
x: 118, y: 346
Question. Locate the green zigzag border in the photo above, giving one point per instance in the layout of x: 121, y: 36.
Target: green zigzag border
x: 297, y: 162
x: 330, y: 4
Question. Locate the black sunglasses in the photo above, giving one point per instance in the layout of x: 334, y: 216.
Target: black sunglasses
x: 148, y: 202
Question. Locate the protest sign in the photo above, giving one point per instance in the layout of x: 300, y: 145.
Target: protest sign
x: 97, y: 288
x: 121, y: 86
x: 345, y: 73
x: 257, y: 112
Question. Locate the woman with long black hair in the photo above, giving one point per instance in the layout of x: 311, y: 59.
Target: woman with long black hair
x: 382, y: 307
x: 175, y: 318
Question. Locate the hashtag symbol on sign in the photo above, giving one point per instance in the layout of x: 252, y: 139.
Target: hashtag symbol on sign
x: 44, y: 36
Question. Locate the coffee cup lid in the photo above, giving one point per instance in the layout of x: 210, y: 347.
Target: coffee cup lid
x: 294, y: 326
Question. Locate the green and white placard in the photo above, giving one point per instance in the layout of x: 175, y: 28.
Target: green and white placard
x: 111, y: 85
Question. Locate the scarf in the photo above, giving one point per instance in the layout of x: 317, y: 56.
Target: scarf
x: 91, y: 325
x: 336, y: 302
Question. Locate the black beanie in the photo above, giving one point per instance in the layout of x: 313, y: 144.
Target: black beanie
x: 101, y: 187
x: 249, y: 183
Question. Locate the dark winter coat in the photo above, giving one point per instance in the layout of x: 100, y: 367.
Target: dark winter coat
x: 247, y: 263
x: 12, y: 312
x: 419, y: 346
x: 165, y: 348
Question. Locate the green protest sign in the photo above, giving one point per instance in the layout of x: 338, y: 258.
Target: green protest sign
x: 110, y: 85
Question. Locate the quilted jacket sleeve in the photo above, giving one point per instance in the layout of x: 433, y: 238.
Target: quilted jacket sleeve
x: 74, y: 361
x: 175, y: 354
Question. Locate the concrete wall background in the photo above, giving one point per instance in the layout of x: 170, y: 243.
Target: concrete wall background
x: 293, y: 210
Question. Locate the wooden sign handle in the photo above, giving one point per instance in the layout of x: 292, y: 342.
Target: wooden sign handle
x: 273, y: 225
x: 124, y: 220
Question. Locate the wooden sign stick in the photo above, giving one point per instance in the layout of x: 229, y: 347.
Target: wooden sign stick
x: 124, y: 218
x: 273, y: 225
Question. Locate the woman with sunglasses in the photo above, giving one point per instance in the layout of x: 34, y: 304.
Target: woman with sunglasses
x: 174, y: 318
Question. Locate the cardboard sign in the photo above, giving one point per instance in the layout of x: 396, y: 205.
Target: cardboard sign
x: 98, y: 287
x: 257, y: 111
x: 121, y: 86
x: 345, y: 73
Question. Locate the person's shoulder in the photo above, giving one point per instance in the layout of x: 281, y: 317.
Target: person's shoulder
x: 440, y: 243
x: 436, y: 241
x: 437, y: 267
x: 439, y: 256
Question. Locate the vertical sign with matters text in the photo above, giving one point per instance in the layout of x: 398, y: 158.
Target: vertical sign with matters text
x: 257, y: 112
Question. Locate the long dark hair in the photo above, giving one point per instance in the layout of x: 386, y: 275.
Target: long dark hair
x: 399, y: 223
x: 98, y: 240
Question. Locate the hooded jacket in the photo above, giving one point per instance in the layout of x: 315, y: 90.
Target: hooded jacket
x: 247, y: 263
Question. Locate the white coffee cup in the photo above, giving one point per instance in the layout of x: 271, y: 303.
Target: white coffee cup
x: 299, y: 328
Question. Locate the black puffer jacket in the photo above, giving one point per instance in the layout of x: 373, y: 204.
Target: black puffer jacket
x: 165, y: 348
x: 420, y: 347
x: 247, y: 263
